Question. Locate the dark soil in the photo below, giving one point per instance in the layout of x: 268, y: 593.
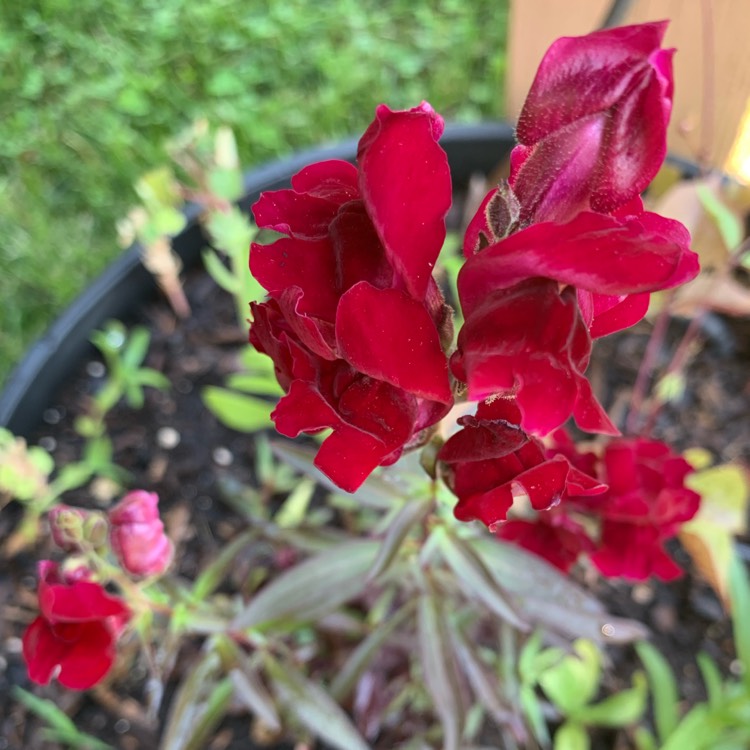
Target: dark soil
x: 173, y: 446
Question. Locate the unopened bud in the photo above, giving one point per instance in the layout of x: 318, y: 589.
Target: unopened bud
x: 137, y: 534
x: 66, y: 526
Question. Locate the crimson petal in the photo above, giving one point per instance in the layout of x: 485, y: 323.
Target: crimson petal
x: 390, y: 336
x: 406, y: 185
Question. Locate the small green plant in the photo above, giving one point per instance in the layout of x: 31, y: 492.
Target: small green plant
x: 722, y: 722
x: 60, y: 727
x: 26, y: 472
x: 571, y: 682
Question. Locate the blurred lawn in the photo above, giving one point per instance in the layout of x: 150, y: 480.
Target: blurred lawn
x: 90, y: 90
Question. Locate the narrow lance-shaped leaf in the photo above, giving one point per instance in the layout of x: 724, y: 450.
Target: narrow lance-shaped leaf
x: 545, y: 596
x: 663, y: 689
x: 711, y: 678
x: 250, y: 690
x: 485, y: 685
x: 191, y: 701
x: 212, y: 576
x: 313, y: 707
x: 293, y: 510
x: 265, y: 385
x: 477, y: 580
x: 220, y: 273
x: 621, y: 709
x: 311, y: 589
x: 366, y: 651
x: 438, y: 661
x: 410, y: 514
x: 739, y: 588
x: 214, y: 710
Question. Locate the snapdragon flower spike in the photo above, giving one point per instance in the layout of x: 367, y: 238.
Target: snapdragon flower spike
x: 592, y: 132
x: 564, y: 253
x: 491, y: 461
x: 355, y: 323
x: 74, y: 636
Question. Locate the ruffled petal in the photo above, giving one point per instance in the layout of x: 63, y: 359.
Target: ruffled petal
x: 598, y: 253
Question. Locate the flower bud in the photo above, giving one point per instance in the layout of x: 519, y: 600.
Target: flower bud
x: 137, y: 534
x: 66, y: 527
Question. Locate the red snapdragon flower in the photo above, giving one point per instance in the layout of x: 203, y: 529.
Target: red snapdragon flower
x: 646, y: 504
x: 74, y: 636
x: 491, y: 461
x: 565, y: 252
x: 356, y: 323
x: 137, y: 536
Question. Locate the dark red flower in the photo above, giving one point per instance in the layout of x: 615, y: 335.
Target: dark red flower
x: 592, y: 132
x: 356, y: 323
x: 533, y: 300
x: 137, y: 536
x: 552, y: 535
x: 74, y: 636
x: 646, y: 504
x: 491, y: 461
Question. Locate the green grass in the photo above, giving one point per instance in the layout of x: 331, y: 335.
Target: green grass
x: 91, y: 89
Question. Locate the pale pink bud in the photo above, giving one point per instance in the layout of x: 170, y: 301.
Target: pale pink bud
x: 137, y: 534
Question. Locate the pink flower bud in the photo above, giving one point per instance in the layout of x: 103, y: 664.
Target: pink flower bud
x: 137, y: 534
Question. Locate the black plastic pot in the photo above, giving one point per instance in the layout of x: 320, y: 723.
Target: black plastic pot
x: 126, y: 283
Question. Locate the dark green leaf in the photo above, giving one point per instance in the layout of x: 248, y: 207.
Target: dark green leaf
x: 252, y: 692
x: 366, y: 652
x: 212, y: 576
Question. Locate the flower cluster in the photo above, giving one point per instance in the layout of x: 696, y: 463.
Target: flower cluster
x: 645, y: 503
x: 560, y: 254
x: 355, y: 323
x: 75, y: 635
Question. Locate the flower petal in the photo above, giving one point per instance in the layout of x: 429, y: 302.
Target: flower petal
x: 598, y: 253
x: 406, y: 185
x: 390, y: 336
